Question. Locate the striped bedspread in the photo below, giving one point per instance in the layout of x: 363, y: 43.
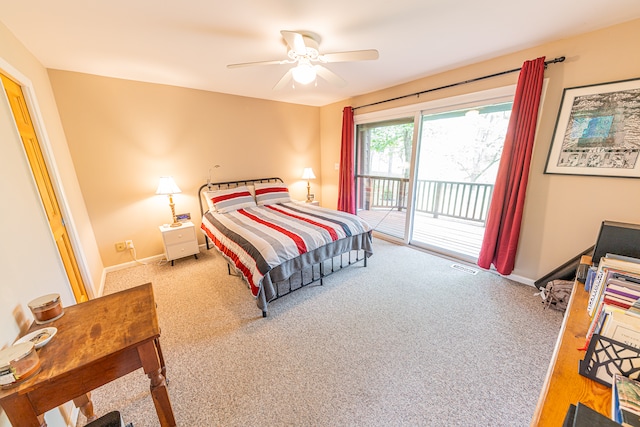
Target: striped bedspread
x: 257, y: 239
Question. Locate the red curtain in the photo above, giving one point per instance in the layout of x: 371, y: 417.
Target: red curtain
x: 505, y: 213
x: 346, y: 184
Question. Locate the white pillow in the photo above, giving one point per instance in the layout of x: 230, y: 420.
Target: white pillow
x: 209, y: 195
x: 230, y: 199
x: 269, y: 193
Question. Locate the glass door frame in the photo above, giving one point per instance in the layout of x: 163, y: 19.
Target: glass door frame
x: 389, y: 115
x: 458, y: 102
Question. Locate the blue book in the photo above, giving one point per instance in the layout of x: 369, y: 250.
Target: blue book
x: 591, y: 274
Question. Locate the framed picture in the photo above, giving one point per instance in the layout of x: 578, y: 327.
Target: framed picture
x: 598, y: 131
x: 184, y: 217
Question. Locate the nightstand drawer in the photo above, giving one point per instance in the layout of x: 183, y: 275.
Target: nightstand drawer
x: 179, y: 235
x: 182, y: 249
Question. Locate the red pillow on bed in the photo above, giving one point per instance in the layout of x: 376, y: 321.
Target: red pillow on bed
x: 231, y: 199
x: 270, y: 193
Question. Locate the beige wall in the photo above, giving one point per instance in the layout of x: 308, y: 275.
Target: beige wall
x: 562, y: 213
x: 123, y: 135
x: 29, y: 261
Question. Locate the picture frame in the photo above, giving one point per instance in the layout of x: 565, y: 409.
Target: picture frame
x: 597, y: 131
x: 183, y: 217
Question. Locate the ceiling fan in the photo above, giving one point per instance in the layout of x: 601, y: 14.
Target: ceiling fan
x: 303, y: 51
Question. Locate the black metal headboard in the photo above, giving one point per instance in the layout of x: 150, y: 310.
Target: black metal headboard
x: 210, y: 186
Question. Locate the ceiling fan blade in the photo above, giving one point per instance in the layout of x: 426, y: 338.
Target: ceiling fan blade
x: 329, y: 76
x: 249, y: 64
x: 294, y: 40
x: 354, y: 55
x: 284, y: 81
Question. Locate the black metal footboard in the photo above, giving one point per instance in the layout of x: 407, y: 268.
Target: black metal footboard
x: 309, y: 275
x: 316, y: 274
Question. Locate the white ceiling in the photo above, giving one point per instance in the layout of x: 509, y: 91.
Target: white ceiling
x: 188, y: 43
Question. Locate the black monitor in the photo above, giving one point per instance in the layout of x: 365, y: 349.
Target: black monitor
x: 617, y: 238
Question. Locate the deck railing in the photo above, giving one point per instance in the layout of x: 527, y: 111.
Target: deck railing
x: 463, y: 200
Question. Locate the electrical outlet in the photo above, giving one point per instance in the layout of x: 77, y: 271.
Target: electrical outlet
x: 121, y: 246
x: 129, y: 244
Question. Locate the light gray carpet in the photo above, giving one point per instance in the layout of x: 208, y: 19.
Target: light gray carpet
x: 406, y: 341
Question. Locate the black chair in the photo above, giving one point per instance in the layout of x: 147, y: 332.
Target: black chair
x: 112, y: 419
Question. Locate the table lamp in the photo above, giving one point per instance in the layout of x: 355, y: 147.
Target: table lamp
x: 307, y: 174
x: 167, y: 186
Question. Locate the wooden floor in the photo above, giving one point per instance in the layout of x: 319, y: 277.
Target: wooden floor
x: 442, y: 233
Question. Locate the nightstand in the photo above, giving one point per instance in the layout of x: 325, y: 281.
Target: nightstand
x: 180, y: 242
x: 314, y: 203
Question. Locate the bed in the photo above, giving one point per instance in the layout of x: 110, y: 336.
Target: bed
x: 275, y: 244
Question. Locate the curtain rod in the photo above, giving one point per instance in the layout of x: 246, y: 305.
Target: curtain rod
x: 552, y: 61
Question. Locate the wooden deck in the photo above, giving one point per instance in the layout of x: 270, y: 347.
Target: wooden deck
x: 451, y: 236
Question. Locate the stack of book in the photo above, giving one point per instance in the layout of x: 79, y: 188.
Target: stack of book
x: 614, y: 300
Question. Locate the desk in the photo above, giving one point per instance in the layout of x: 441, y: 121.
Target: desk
x: 97, y: 342
x: 563, y: 384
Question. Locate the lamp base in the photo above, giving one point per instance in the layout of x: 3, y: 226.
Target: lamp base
x: 176, y: 224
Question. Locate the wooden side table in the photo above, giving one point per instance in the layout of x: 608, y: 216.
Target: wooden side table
x: 180, y: 242
x: 97, y: 342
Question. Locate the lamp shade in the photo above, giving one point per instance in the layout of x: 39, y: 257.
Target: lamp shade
x: 167, y: 186
x: 307, y: 173
x: 304, y: 73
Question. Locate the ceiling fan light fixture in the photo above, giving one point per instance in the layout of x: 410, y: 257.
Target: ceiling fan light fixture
x: 303, y: 52
x: 304, y: 73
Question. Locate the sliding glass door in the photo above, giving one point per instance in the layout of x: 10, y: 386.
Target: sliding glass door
x: 425, y: 177
x: 383, y: 156
x: 457, y: 166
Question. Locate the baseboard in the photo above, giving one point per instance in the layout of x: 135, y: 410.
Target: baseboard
x: 520, y: 279
x: 133, y: 263
x: 103, y: 278
x: 148, y: 260
x: 75, y: 416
